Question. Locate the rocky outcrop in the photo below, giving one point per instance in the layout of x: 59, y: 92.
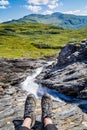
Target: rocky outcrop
x: 69, y: 75
x: 73, y: 53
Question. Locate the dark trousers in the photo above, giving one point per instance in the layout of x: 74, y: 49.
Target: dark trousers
x: 48, y: 127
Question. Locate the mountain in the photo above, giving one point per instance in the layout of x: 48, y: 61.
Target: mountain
x: 56, y: 19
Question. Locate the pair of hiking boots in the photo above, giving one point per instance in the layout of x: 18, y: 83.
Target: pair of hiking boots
x: 30, y: 106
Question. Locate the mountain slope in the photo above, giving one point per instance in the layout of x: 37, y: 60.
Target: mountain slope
x: 57, y: 19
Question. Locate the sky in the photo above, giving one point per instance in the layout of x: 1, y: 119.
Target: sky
x: 15, y: 9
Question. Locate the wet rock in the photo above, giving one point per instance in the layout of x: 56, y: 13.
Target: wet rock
x: 83, y: 94
x: 69, y: 75
x: 14, y: 71
x: 69, y: 80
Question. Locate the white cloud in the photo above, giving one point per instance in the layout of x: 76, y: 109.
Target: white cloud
x: 53, y: 1
x: 37, y: 2
x: 42, y: 2
x: 33, y: 8
x: 76, y: 12
x: 4, y: 2
x: 52, y: 6
x: 47, y: 12
x: 55, y: 4
x: 83, y: 13
x: 36, y: 5
x: 2, y: 7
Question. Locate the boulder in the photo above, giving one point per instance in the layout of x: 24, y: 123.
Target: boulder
x: 72, y: 53
x: 69, y: 74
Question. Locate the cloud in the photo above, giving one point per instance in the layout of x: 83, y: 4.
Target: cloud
x: 76, y: 12
x: 83, y: 13
x: 37, y: 2
x: 53, y: 6
x: 33, y: 8
x: 41, y: 5
x: 2, y: 7
x: 47, y: 12
x: 41, y: 2
x: 4, y: 4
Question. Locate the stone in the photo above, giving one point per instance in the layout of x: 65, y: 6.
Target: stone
x: 14, y: 71
x: 69, y: 74
x: 72, y: 53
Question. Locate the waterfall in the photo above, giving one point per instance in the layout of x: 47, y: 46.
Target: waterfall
x: 32, y: 87
x: 29, y: 84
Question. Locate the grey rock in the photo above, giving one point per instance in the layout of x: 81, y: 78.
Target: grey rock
x: 70, y: 80
x: 14, y: 71
x: 69, y: 75
x: 66, y: 116
x: 72, y: 53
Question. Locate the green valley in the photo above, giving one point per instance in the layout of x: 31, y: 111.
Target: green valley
x: 34, y: 40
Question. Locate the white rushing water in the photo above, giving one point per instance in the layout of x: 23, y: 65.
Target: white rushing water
x: 32, y: 87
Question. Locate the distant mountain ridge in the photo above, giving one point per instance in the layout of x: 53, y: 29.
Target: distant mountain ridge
x: 57, y: 19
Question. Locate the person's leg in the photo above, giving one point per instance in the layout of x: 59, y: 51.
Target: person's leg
x: 48, y: 125
x: 29, y: 113
x: 26, y: 124
x: 46, y: 104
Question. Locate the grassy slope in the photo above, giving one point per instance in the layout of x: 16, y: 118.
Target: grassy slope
x: 33, y: 40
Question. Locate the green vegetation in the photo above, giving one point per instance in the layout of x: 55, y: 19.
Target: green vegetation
x: 33, y: 40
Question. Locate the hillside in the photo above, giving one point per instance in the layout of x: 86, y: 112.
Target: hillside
x: 32, y: 40
x: 57, y: 19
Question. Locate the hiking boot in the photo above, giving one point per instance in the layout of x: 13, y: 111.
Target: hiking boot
x: 46, y: 104
x: 30, y: 106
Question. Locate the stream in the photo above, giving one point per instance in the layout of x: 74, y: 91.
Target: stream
x: 31, y: 86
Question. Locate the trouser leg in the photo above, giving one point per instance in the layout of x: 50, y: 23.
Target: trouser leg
x: 23, y: 128
x: 50, y: 127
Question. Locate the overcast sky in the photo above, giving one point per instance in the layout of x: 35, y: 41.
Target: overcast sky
x: 14, y: 9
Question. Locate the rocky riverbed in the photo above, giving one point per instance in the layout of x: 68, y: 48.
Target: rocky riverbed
x: 67, y: 75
